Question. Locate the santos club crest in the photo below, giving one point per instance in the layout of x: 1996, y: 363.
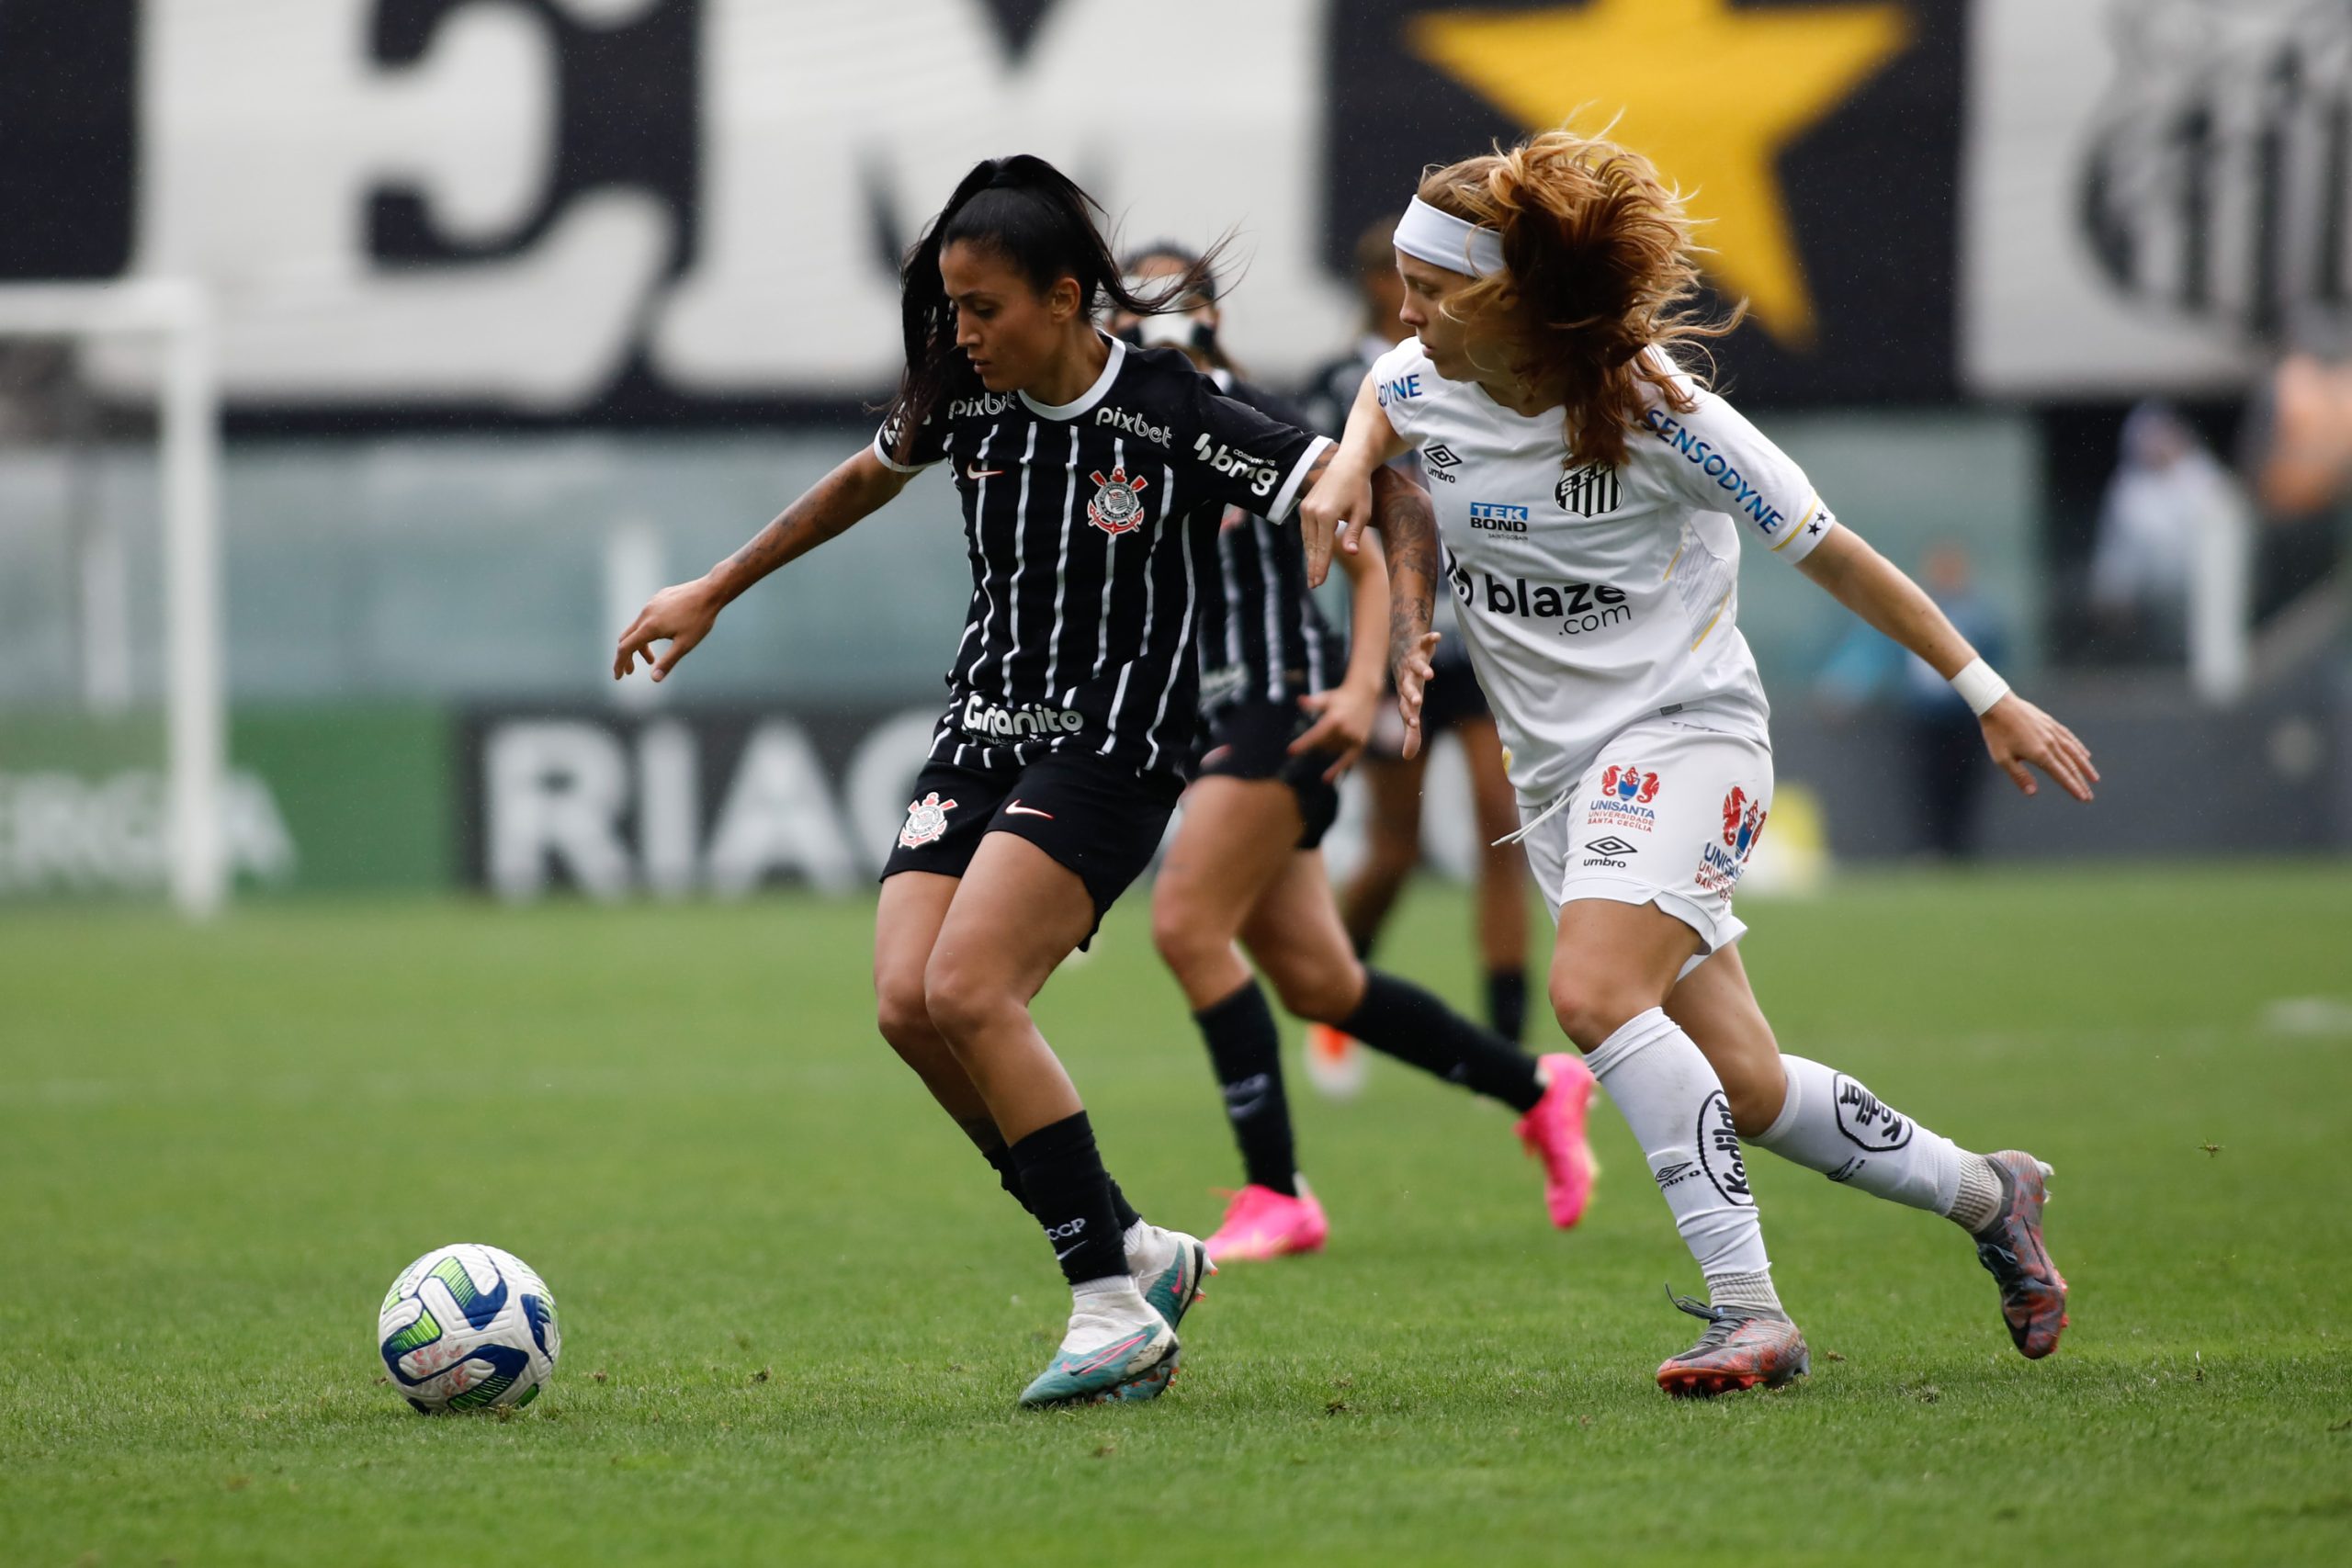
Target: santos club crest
x: 1114, y: 508
x: 926, y: 819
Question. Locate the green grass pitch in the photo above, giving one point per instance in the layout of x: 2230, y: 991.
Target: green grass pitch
x: 796, y: 1309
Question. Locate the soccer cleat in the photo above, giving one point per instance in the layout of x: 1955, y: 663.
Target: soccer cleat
x: 1261, y: 1222
x: 2033, y: 1293
x: 1169, y: 1268
x: 1553, y: 1133
x: 1336, y: 1062
x: 1739, y: 1349
x: 1105, y: 1359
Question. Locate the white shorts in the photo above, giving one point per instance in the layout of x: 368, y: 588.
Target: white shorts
x: 1668, y: 816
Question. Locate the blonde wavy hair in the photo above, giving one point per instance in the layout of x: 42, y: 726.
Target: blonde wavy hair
x: 1602, y: 270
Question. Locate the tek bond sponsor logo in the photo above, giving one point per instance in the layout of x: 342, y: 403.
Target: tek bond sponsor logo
x: 1745, y: 497
x: 1493, y: 517
x: 981, y: 716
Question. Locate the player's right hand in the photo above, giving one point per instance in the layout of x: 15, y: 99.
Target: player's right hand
x: 1412, y: 673
x: 681, y: 614
x: 1335, y: 511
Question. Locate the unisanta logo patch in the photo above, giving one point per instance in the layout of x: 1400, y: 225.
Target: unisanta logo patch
x: 1719, y: 1153
x: 1114, y: 508
x: 926, y: 819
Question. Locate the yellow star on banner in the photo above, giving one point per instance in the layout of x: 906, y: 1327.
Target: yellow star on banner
x: 1711, y: 93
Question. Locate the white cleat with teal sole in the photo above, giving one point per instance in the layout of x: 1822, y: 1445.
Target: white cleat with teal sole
x: 1125, y: 1353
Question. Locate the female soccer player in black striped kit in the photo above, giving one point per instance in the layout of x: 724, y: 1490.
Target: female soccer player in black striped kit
x: 1093, y: 479
x: 1286, y: 706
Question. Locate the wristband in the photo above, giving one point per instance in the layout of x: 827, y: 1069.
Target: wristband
x: 1979, y: 686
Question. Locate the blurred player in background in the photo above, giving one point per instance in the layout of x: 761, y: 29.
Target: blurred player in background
x: 1092, y: 479
x: 1285, y: 707
x: 1393, y: 781
x: 1594, y: 545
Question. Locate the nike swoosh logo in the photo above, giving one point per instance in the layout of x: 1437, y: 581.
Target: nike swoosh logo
x: 1066, y: 1251
x: 1017, y: 809
x: 972, y: 473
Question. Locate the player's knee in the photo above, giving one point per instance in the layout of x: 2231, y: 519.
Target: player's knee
x: 902, y: 1015
x: 962, y: 1001
x: 1182, y: 935
x: 1590, y: 1008
x: 1318, y: 992
x: 1754, y: 1087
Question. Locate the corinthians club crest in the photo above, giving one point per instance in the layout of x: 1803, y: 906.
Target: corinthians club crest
x: 1114, y: 508
x: 926, y: 819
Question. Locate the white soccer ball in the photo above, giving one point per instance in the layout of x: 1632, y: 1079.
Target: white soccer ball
x: 468, y: 1327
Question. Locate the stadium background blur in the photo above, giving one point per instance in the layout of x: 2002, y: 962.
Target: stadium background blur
x: 526, y: 306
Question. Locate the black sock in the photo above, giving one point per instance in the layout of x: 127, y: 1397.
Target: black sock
x: 1000, y: 1157
x: 1506, y: 1003
x: 1247, y: 1051
x: 1069, y: 1193
x: 1400, y: 1020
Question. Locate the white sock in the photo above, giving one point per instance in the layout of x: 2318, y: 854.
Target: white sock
x: 1834, y: 1124
x: 1105, y: 1308
x: 1672, y: 1100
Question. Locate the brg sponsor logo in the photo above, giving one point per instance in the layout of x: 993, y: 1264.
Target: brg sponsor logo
x: 1257, y: 472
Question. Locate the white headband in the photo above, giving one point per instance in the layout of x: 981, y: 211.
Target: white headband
x: 1442, y: 240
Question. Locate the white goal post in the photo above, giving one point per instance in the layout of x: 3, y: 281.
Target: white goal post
x: 177, y: 314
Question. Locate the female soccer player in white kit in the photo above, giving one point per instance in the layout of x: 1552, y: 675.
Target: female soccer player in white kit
x: 1589, y: 499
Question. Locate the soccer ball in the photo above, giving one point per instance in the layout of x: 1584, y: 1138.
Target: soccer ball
x: 468, y: 1328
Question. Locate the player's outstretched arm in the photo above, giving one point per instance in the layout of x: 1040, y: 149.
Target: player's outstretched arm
x: 2016, y: 732
x: 1401, y: 511
x: 1345, y: 714
x: 682, y: 614
x: 1339, y: 503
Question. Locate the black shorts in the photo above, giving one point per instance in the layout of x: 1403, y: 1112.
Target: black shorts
x: 1251, y: 740
x: 1101, y: 819
x: 1451, y: 695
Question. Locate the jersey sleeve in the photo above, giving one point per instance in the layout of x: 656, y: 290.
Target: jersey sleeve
x: 1404, y: 381
x: 1244, y: 457
x: 930, y: 445
x: 1718, y: 461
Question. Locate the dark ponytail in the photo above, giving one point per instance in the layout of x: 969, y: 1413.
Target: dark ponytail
x: 1034, y: 215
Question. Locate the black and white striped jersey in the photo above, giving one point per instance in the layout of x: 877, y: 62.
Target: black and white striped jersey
x: 1262, y: 640
x: 1091, y: 532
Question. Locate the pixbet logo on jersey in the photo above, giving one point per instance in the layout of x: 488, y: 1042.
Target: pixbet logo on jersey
x: 1116, y: 509
x: 1134, y: 424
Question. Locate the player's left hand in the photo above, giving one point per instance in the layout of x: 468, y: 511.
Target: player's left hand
x: 1344, y: 721
x: 1334, y: 511
x: 2016, y: 732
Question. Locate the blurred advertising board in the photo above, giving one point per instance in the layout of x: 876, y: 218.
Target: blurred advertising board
x: 621, y: 211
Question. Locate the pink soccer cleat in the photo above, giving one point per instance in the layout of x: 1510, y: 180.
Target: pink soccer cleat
x: 1261, y: 1222
x: 1553, y: 1133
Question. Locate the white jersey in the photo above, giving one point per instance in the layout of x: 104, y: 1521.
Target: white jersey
x: 1592, y: 598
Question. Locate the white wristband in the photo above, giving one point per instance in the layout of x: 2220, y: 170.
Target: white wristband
x: 1979, y: 686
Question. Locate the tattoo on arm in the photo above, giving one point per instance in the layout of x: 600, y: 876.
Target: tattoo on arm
x: 827, y: 509
x: 1407, y: 525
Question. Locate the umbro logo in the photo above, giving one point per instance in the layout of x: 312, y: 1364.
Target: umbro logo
x: 1611, y: 845
x: 1668, y: 1175
x: 1441, y: 455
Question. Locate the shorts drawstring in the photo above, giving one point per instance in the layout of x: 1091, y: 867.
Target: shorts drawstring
x: 1538, y: 820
